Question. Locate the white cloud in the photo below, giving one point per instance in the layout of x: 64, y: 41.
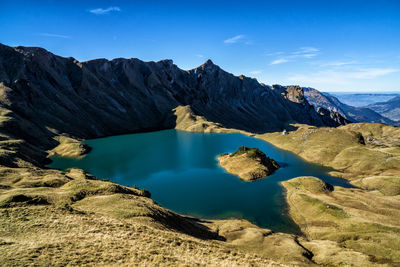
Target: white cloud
x: 308, y: 55
x: 329, y: 77
x: 341, y: 77
x: 200, y: 55
x: 302, y: 52
x: 279, y: 61
x: 306, y: 50
x: 235, y: 39
x: 275, y: 53
x: 104, y: 11
x: 373, y: 73
x: 338, y: 63
x: 46, y: 34
x: 255, y: 72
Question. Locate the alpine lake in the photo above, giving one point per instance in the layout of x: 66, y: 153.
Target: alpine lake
x: 181, y: 171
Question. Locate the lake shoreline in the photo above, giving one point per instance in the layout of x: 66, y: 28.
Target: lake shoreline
x: 233, y: 134
x: 318, y: 248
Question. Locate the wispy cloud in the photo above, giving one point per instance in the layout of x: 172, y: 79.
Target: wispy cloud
x: 46, y: 34
x: 302, y: 52
x: 341, y: 77
x: 235, y: 39
x: 274, y: 53
x: 305, y: 52
x: 328, y: 77
x: 308, y: 55
x: 199, y: 55
x: 338, y: 63
x: 104, y: 11
x: 279, y: 61
x: 255, y: 72
x: 373, y: 73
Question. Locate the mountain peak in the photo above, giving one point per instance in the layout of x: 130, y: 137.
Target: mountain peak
x: 208, y: 65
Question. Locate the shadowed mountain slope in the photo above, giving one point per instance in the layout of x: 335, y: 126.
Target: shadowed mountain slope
x: 45, y: 95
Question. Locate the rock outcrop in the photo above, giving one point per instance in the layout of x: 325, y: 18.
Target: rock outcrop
x: 334, y: 115
x: 294, y: 94
x: 249, y: 164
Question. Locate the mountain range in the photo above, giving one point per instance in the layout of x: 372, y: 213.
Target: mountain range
x: 351, y: 113
x: 362, y: 99
x: 390, y: 108
x: 43, y: 95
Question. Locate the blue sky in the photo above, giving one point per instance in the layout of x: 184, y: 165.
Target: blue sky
x: 328, y: 45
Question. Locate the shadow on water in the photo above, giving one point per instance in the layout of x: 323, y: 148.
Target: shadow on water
x: 181, y: 171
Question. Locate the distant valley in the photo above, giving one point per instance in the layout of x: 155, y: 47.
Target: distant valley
x: 362, y: 99
x: 354, y: 113
x: 390, y: 108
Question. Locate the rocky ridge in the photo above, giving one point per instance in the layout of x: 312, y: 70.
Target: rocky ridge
x: 45, y: 95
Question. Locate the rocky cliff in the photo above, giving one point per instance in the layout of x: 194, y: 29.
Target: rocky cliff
x: 45, y: 95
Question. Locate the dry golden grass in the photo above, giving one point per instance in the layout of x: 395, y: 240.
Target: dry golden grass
x: 79, y: 220
x: 353, y: 151
x: 69, y: 147
x: 48, y: 217
x: 43, y: 236
x: 186, y: 120
x: 249, y: 164
x: 352, y: 227
x: 363, y: 225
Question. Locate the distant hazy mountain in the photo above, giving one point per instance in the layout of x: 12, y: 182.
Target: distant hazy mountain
x: 354, y: 114
x: 390, y: 108
x: 362, y: 99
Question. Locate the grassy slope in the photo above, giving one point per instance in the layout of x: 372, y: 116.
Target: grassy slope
x: 357, y: 227
x: 363, y: 227
x: 69, y: 147
x: 69, y: 218
x: 342, y: 148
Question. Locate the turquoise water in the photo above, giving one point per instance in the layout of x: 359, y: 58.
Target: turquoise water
x: 181, y: 171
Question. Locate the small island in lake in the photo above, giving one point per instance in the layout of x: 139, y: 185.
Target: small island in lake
x: 248, y: 163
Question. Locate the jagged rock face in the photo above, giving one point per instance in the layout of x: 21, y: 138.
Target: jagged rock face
x: 350, y: 113
x: 49, y: 95
x: 334, y: 115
